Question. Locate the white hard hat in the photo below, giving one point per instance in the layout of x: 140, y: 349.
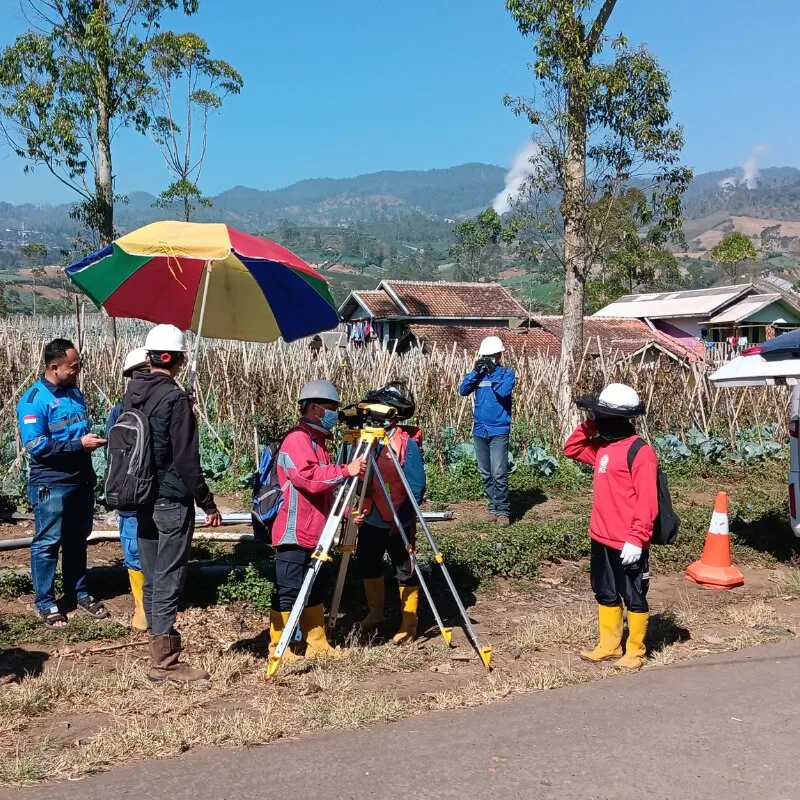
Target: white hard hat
x: 619, y: 399
x: 136, y: 359
x: 165, y: 339
x: 490, y: 346
x: 319, y: 390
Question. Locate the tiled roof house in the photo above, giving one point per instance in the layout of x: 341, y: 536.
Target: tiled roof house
x: 446, y: 316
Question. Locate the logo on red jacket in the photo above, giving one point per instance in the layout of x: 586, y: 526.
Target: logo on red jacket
x: 603, y: 464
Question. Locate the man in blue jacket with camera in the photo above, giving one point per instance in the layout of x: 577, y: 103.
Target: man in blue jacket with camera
x: 493, y: 385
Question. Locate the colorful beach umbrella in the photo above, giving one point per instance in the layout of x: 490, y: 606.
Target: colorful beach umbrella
x: 208, y: 278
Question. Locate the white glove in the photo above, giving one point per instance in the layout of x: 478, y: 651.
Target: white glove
x: 631, y: 553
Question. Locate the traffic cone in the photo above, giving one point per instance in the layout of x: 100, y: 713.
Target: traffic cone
x: 714, y: 569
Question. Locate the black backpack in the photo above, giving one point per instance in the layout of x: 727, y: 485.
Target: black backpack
x: 267, y: 492
x: 665, y: 528
x: 131, y: 478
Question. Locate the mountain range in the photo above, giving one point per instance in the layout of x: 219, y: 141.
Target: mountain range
x: 432, y: 198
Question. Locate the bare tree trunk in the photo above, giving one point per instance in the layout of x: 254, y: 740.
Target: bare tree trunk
x: 104, y: 190
x: 103, y: 179
x: 573, y: 209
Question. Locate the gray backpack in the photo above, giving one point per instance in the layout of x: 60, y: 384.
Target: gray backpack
x: 131, y: 478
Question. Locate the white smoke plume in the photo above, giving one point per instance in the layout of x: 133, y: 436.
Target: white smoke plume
x: 750, y: 168
x: 521, y: 170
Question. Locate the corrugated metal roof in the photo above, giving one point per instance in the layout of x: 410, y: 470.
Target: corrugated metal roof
x: 743, y: 309
x: 693, y: 303
x: 778, y: 283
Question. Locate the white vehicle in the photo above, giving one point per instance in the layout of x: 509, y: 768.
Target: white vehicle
x: 774, y: 363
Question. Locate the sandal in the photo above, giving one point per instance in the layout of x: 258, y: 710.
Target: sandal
x: 94, y: 608
x: 53, y: 619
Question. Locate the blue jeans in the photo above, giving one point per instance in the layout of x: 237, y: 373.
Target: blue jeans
x: 492, y: 455
x: 128, y: 532
x: 63, y: 519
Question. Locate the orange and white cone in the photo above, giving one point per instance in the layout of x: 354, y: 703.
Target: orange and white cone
x: 714, y: 569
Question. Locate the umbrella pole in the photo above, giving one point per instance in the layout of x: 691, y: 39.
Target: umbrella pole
x: 196, y: 350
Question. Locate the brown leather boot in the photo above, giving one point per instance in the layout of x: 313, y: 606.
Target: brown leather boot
x: 166, y: 666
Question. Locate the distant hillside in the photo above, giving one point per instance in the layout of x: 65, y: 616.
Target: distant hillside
x: 439, y: 193
x: 417, y: 202
x: 775, y: 195
x: 403, y: 208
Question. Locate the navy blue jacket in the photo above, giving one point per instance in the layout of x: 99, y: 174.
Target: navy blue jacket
x: 52, y: 421
x: 492, y: 413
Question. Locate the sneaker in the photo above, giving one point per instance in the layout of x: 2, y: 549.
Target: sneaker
x: 502, y: 521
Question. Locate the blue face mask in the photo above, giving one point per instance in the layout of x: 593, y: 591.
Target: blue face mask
x: 329, y: 419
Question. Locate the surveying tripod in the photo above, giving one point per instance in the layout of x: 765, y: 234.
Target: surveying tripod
x: 341, y: 532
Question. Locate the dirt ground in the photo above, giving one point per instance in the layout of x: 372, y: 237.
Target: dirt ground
x: 74, y: 707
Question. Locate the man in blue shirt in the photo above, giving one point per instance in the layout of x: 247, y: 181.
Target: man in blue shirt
x: 54, y: 427
x: 493, y: 385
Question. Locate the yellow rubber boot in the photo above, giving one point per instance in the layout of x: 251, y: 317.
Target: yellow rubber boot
x: 277, y: 623
x: 634, y: 649
x: 138, y: 620
x: 374, y: 590
x: 312, y: 623
x: 610, y: 642
x: 409, y: 603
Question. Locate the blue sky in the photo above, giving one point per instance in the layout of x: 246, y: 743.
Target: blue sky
x: 334, y: 89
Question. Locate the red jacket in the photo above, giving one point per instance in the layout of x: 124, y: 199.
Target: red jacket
x: 625, y: 502
x: 375, y: 497
x: 309, y: 481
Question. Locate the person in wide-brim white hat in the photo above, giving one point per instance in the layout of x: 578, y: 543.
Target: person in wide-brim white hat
x: 616, y: 400
x: 624, y: 511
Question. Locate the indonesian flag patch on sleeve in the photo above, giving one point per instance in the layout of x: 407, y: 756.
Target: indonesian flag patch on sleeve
x: 29, y: 419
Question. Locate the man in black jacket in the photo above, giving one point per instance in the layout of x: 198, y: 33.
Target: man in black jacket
x: 165, y: 529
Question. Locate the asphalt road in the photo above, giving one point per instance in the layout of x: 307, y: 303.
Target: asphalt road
x: 723, y: 727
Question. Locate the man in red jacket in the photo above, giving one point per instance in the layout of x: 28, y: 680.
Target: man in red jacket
x: 309, y: 481
x: 625, y: 507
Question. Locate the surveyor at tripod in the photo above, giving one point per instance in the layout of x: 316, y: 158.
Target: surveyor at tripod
x: 624, y: 510
x: 135, y: 361
x: 165, y: 527
x: 309, y: 480
x: 377, y: 533
x: 493, y: 385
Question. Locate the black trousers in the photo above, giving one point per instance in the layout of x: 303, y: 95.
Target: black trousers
x: 374, y: 542
x: 164, y: 534
x: 291, y: 564
x: 611, y: 582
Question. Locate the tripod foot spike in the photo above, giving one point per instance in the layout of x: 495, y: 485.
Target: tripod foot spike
x: 447, y: 634
x: 272, y: 667
x: 486, y: 656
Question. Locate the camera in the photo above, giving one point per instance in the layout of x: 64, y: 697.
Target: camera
x: 367, y: 415
x: 486, y: 365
